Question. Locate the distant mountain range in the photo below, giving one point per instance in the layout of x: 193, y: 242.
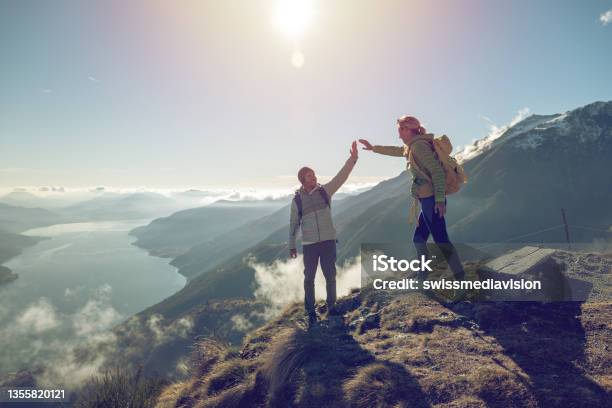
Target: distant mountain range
x: 115, y: 206
x: 28, y: 200
x: 174, y: 235
x: 22, y: 210
x: 219, y: 231
x: 213, y: 252
x: 18, y: 219
x: 12, y: 244
x: 14, y: 220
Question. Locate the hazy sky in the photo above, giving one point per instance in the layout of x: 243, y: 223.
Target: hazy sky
x: 217, y: 93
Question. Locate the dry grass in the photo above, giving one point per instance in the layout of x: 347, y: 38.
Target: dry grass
x: 227, y: 375
x: 501, y: 388
x: 382, y: 384
x: 419, y: 353
x: 119, y: 388
x: 171, y: 394
x: 286, y: 356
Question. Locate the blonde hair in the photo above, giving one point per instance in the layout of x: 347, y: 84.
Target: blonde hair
x: 412, y: 123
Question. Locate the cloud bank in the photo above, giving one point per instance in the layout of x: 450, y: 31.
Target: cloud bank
x: 282, y: 282
x: 62, y: 348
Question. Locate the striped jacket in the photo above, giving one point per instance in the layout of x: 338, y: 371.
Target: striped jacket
x: 316, y: 223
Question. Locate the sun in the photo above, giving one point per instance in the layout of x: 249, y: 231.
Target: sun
x: 293, y: 17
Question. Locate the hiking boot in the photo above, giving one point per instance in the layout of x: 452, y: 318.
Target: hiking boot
x: 333, y: 311
x: 312, y: 319
x: 460, y: 294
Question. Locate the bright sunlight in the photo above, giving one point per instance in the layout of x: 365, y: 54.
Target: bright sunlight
x: 293, y: 17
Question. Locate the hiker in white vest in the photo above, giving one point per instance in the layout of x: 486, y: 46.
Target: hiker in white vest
x: 311, y: 209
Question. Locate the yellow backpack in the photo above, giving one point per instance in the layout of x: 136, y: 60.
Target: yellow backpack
x: 454, y: 173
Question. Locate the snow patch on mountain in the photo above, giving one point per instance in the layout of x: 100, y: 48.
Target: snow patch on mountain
x: 519, y: 125
x: 584, y: 125
x: 529, y: 142
x: 558, y: 122
x: 468, y: 152
x: 534, y: 140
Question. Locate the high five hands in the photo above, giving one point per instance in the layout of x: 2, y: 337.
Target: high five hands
x: 366, y: 144
x: 354, y: 152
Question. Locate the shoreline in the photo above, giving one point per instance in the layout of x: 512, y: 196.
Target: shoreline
x: 7, y: 275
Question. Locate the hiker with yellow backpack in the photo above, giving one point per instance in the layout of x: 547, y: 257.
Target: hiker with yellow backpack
x: 435, y: 175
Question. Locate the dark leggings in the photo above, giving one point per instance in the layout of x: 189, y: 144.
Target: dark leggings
x: 430, y: 222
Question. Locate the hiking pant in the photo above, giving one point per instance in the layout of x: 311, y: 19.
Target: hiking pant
x: 430, y: 222
x: 326, y: 252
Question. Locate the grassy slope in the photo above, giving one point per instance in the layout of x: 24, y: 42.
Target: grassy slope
x: 409, y: 350
x: 159, y: 344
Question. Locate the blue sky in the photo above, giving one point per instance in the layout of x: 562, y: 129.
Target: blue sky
x: 204, y: 94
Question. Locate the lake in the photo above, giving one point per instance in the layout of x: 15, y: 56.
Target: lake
x: 75, y: 285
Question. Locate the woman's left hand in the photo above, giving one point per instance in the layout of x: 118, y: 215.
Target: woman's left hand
x: 440, y: 209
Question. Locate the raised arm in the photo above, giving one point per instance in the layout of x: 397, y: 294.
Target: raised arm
x: 397, y: 151
x: 337, y: 182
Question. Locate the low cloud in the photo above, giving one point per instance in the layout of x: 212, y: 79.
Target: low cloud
x: 162, y: 332
x: 57, y: 189
x: 38, y: 318
x: 63, y: 349
x: 606, y: 17
x: 282, y: 282
x: 74, y: 363
x: 241, y: 323
x: 96, y: 313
